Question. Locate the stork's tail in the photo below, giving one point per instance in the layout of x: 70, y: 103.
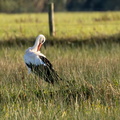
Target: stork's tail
x: 53, y: 77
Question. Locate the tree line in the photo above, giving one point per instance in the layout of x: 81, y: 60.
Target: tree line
x: 20, y: 6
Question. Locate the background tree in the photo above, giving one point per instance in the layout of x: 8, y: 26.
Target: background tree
x: 19, y: 6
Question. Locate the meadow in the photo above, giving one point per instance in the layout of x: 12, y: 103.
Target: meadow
x: 86, y: 54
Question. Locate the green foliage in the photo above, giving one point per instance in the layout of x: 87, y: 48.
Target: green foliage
x: 19, y: 6
x: 23, y: 6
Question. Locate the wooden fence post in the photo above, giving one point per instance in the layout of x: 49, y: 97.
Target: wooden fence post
x: 51, y: 19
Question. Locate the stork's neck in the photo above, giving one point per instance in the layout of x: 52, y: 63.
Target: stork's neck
x: 36, y: 44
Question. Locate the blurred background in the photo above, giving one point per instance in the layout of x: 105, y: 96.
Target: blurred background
x: 20, y: 6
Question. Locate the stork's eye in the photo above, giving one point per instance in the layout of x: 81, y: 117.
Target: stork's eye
x: 42, y: 41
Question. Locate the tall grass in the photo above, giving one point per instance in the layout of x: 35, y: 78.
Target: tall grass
x: 90, y: 88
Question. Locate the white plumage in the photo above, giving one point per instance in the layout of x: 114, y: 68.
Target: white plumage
x: 37, y: 63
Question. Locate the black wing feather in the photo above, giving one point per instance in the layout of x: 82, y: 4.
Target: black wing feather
x: 46, y: 61
x: 45, y: 71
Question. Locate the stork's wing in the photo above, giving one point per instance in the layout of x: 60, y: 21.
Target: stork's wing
x: 45, y: 70
x: 46, y: 61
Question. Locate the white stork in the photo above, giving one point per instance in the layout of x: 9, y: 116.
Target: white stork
x: 37, y: 63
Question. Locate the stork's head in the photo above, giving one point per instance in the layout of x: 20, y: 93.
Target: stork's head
x: 39, y: 41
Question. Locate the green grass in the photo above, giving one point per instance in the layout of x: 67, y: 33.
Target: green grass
x: 78, y: 25
x: 90, y: 70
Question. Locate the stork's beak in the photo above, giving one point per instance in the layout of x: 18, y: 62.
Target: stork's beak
x: 39, y: 46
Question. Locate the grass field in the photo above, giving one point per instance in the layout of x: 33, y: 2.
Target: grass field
x: 86, y: 54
